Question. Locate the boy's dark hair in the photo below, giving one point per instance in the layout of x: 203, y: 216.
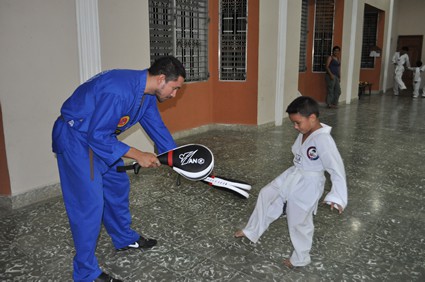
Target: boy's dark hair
x: 405, y: 48
x: 168, y: 66
x: 336, y: 48
x: 419, y: 64
x: 304, y: 106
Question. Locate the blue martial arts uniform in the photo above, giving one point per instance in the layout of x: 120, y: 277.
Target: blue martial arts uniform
x: 88, y: 152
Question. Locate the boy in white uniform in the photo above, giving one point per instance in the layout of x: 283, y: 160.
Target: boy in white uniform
x: 399, y: 60
x: 302, y: 185
x: 417, y: 78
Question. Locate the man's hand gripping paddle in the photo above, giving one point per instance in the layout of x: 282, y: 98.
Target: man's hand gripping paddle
x: 194, y: 162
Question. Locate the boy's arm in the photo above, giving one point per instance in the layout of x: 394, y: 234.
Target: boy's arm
x: 328, y: 70
x: 395, y: 56
x: 407, y: 61
x: 333, y: 164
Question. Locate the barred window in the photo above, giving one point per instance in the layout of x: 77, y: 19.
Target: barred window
x: 323, y: 33
x: 233, y: 39
x: 370, y: 27
x: 303, y: 38
x: 180, y: 28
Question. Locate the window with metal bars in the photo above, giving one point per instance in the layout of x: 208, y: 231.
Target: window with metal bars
x: 233, y: 39
x: 323, y: 33
x: 180, y: 28
x: 370, y: 28
x: 303, y: 38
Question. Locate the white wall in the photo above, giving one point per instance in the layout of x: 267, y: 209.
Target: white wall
x: 268, y: 54
x: 38, y: 70
x: 267, y: 62
x: 407, y: 19
x: 353, y: 25
x: 124, y: 40
x: 411, y: 20
x: 292, y: 52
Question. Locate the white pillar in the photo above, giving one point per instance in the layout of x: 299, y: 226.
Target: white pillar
x: 88, y: 38
x: 352, y: 52
x: 281, y: 61
x: 388, y: 46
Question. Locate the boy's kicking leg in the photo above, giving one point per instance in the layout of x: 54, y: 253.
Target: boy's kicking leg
x: 268, y: 208
x: 269, y: 204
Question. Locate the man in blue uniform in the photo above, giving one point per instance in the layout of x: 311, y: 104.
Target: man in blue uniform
x: 88, y: 152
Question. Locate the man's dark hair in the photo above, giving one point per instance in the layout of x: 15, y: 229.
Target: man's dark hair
x: 168, y: 66
x: 405, y: 48
x: 336, y: 48
x: 419, y: 64
x: 304, y: 106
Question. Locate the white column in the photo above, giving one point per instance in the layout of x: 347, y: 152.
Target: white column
x: 388, y: 46
x: 88, y: 38
x: 281, y: 61
x: 352, y: 52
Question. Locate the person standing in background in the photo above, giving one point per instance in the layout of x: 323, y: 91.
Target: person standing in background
x: 399, y: 60
x: 417, y: 78
x: 333, y: 74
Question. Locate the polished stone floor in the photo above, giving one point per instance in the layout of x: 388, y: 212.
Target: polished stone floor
x: 380, y: 236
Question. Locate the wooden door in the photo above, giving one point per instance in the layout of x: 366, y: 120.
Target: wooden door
x: 414, y: 43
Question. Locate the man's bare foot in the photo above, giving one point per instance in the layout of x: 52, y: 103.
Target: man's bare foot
x: 288, y: 263
x: 239, y: 234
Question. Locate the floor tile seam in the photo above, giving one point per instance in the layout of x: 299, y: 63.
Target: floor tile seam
x: 205, y: 254
x: 176, y: 273
x: 400, y: 195
x: 234, y: 268
x: 182, y: 273
x: 367, y: 238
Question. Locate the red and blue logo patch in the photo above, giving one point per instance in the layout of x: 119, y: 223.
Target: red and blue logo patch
x: 312, y: 153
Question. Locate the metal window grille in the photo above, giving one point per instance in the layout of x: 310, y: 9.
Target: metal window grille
x: 303, y: 38
x: 180, y: 28
x: 323, y: 33
x: 370, y: 28
x: 233, y: 39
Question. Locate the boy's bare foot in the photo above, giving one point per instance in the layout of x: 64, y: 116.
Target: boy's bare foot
x: 288, y: 263
x: 239, y: 234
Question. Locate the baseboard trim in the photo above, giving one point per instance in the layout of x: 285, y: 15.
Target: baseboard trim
x: 31, y: 197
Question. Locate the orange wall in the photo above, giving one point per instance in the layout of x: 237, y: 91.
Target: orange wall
x: 373, y: 75
x: 190, y: 109
x: 236, y: 102
x: 213, y: 101
x: 313, y: 83
x: 4, y: 172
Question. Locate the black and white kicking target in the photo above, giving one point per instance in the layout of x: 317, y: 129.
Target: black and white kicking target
x: 193, y: 161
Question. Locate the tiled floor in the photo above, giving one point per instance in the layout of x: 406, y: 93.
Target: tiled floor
x: 380, y: 237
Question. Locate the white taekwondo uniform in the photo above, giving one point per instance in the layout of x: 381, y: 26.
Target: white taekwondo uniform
x: 301, y: 186
x: 399, y: 62
x: 416, y: 80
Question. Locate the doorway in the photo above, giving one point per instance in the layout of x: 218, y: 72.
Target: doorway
x: 414, y: 43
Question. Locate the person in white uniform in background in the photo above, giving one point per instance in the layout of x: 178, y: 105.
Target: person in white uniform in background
x: 399, y: 60
x: 302, y: 185
x: 417, y: 78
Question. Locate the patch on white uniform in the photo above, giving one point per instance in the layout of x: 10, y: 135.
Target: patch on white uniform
x: 312, y: 153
